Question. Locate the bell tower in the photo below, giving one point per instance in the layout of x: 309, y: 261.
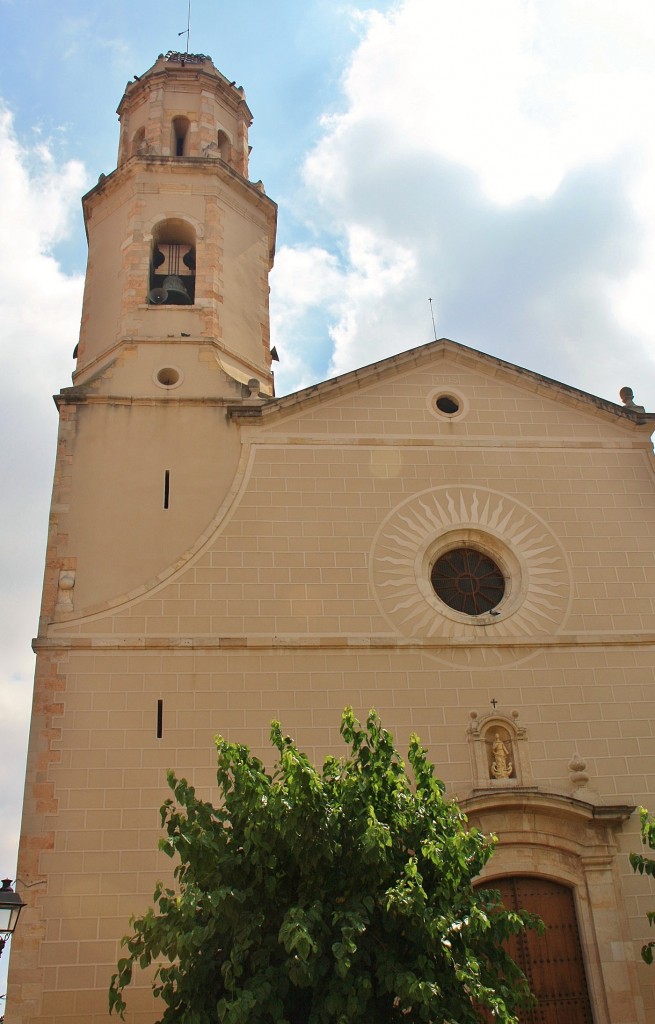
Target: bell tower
x: 175, y: 328
x: 180, y: 241
x: 174, y: 339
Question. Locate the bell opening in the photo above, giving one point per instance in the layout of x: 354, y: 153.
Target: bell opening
x: 173, y: 266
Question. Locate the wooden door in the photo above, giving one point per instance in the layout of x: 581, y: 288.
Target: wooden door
x: 552, y: 962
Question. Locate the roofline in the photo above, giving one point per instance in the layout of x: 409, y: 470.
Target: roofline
x: 356, y: 378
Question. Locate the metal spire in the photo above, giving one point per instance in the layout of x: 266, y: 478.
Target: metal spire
x: 187, y: 31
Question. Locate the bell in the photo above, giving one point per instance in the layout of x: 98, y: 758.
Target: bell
x: 177, y: 293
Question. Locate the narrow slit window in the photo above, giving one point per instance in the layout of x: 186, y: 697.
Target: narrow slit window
x: 139, y: 145
x: 160, y: 719
x: 180, y: 136
x: 167, y: 487
x: 223, y: 143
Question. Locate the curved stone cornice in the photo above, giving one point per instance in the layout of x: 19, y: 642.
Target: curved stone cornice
x: 549, y: 804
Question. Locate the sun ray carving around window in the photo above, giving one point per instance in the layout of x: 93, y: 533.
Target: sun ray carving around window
x: 440, y: 543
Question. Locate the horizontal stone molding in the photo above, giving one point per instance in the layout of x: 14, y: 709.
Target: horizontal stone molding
x: 122, y: 642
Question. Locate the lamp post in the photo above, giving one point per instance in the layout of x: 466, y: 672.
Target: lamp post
x: 10, y: 907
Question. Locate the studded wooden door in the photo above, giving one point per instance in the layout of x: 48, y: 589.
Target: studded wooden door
x: 552, y: 962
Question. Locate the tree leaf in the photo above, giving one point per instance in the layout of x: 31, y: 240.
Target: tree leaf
x: 333, y: 896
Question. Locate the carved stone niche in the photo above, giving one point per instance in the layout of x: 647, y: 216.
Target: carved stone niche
x: 498, y: 748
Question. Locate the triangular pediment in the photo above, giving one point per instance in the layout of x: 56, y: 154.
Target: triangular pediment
x: 447, y: 388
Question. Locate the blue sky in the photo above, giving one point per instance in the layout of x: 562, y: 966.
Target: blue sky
x: 498, y: 158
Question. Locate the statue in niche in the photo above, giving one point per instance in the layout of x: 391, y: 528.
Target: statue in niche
x: 501, y: 766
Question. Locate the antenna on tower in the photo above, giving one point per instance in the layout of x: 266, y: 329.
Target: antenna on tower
x: 434, y: 327
x: 187, y: 31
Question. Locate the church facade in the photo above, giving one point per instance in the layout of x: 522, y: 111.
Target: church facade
x: 460, y: 543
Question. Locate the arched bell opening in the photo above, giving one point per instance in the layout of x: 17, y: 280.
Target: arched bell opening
x: 138, y: 142
x: 180, y: 139
x: 224, y: 145
x: 173, y: 264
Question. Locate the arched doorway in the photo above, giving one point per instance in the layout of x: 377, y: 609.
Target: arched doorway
x: 553, y: 962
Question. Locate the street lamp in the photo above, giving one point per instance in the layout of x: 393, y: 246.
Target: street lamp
x: 10, y: 907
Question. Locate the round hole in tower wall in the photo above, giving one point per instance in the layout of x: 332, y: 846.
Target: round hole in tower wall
x: 168, y: 377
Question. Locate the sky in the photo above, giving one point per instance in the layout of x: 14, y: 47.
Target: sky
x: 496, y: 158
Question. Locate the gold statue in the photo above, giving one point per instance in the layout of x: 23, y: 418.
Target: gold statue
x: 501, y: 766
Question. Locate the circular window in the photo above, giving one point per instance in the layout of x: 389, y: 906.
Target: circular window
x: 530, y: 576
x: 447, y: 404
x: 468, y: 581
x: 168, y: 377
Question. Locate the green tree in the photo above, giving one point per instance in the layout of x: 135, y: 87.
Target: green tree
x: 646, y: 866
x: 343, y: 896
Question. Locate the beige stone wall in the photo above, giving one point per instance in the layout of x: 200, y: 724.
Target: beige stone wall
x: 303, y: 590
x: 109, y: 768
x: 130, y: 456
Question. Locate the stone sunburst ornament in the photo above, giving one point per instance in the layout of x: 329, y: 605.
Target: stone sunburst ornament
x: 508, y: 573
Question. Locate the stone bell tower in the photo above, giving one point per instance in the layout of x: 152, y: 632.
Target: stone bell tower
x: 174, y: 335
x: 175, y: 327
x: 180, y: 242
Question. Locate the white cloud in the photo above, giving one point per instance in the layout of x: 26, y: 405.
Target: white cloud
x: 39, y: 311
x: 519, y: 92
x: 496, y: 157
x: 306, y: 280
x: 310, y: 281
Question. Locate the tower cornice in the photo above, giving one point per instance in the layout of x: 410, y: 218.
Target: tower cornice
x: 185, y: 77
x: 216, y: 168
